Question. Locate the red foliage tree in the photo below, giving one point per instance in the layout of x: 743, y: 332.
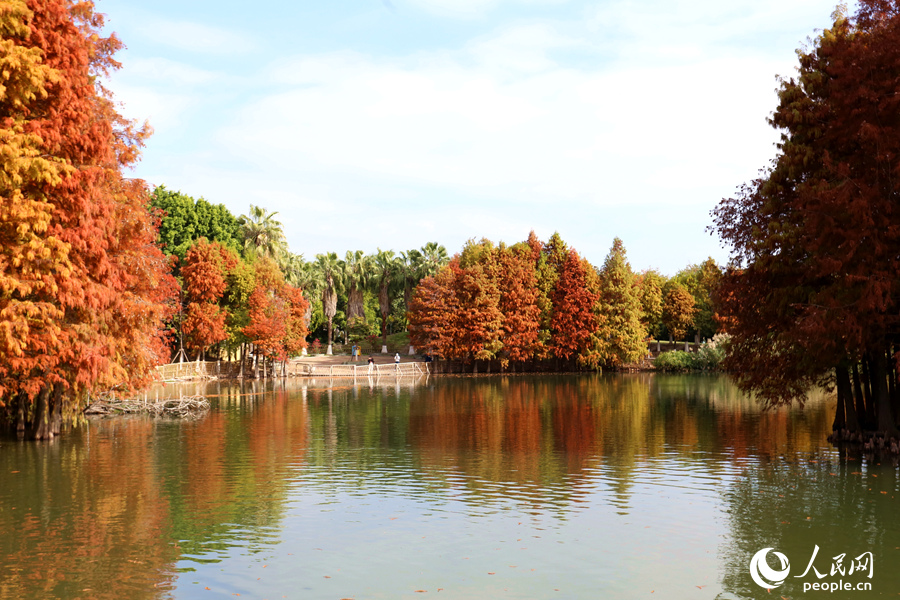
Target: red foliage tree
x: 817, y: 237
x: 432, y: 311
x: 99, y: 309
x: 296, y: 330
x: 206, y: 268
x: 277, y: 328
x: 519, y: 296
x: 573, y: 319
x: 478, y: 320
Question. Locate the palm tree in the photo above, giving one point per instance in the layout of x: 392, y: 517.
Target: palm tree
x: 387, y: 274
x: 434, y: 258
x: 329, y: 268
x: 306, y: 277
x: 355, y: 278
x: 412, y: 268
x: 264, y: 234
x: 356, y: 274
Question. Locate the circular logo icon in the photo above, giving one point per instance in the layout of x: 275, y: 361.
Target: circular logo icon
x: 764, y: 575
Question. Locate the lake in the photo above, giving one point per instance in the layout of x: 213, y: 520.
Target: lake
x: 571, y: 486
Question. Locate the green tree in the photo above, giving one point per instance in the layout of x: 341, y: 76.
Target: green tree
x: 433, y: 258
x: 620, y: 335
x: 185, y: 220
x: 264, y: 234
x: 355, y: 274
x: 329, y: 268
x: 306, y: 277
x: 650, y: 288
x: 388, y: 280
x: 702, y: 282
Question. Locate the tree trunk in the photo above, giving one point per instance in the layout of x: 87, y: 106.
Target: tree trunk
x: 846, y: 411
x: 884, y: 416
x: 894, y: 388
x: 867, y: 390
x: 20, y: 416
x: 40, y: 427
x: 56, y: 410
x: 328, y: 350
x: 356, y: 304
x: 329, y: 307
x: 860, y: 399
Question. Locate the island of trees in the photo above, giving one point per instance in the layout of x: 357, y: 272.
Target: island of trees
x: 103, y: 277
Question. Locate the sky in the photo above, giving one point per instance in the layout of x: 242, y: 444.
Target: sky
x: 391, y: 123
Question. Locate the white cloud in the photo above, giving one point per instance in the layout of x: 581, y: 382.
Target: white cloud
x: 195, y: 37
x: 164, y: 110
x: 592, y: 136
x: 637, y: 119
x: 520, y: 49
x: 467, y: 9
x: 169, y: 72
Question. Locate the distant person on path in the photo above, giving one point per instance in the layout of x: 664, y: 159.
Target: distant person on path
x: 354, y: 352
x: 371, y: 363
x: 397, y: 361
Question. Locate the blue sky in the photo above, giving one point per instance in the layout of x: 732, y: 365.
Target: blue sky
x: 392, y: 123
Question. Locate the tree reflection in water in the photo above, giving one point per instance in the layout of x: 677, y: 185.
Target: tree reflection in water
x: 616, y: 482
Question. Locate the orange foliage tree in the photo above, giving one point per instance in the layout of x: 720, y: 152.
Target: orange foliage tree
x: 88, y: 315
x: 573, y: 319
x: 456, y: 314
x: 207, y: 265
x: 678, y: 310
x: 507, y: 303
x: 519, y: 296
x: 431, y: 313
x: 277, y: 328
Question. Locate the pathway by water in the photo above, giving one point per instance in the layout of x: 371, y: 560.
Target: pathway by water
x: 584, y: 487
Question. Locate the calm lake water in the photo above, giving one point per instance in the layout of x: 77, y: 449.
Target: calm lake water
x: 584, y: 487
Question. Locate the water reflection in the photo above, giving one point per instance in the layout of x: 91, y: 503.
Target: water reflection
x: 600, y: 484
x: 84, y: 518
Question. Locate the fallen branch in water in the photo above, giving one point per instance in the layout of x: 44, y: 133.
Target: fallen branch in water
x: 185, y: 406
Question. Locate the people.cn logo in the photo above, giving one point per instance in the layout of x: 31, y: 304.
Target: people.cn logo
x: 764, y: 575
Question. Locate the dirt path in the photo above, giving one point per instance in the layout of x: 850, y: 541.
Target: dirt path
x: 341, y: 359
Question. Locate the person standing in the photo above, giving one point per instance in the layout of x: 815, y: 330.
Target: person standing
x: 397, y: 361
x: 371, y: 364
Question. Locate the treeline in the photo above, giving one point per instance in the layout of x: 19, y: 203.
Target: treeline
x: 234, y: 299
x: 535, y: 300
x: 102, y: 279
x: 244, y: 293
x: 813, y: 294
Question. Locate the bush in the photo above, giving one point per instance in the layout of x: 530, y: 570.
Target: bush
x: 707, y: 358
x: 676, y: 360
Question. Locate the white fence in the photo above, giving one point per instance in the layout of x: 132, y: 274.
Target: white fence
x: 224, y: 370
x: 401, y: 369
